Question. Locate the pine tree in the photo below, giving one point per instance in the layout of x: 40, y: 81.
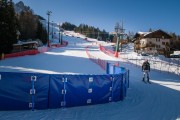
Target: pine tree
x: 28, y: 25
x: 41, y: 33
x: 89, y: 31
x: 111, y: 37
x: 68, y: 26
x: 8, y: 26
x: 150, y: 30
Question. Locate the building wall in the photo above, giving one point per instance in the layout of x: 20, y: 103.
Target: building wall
x: 156, y: 41
x: 159, y: 41
x: 152, y: 45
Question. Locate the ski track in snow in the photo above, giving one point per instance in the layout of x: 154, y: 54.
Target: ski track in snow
x: 156, y: 101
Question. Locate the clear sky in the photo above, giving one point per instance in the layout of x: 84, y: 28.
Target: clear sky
x: 137, y: 15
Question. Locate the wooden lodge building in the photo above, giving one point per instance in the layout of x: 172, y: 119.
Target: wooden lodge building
x: 156, y: 42
x: 22, y: 46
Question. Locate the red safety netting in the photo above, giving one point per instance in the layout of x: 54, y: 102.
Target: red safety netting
x: 27, y: 52
x: 100, y: 62
x: 106, y: 51
x: 43, y: 49
x: 33, y: 52
x: 65, y: 43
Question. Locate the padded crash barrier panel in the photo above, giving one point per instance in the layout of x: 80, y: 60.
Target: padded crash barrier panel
x: 79, y: 90
x: 23, y: 91
x: 112, y: 69
x: 29, y: 91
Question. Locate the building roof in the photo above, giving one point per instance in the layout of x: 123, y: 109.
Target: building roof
x: 143, y: 33
x: 158, y: 34
x: 155, y: 34
x: 23, y: 43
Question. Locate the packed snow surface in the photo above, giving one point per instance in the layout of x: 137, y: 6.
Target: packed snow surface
x: 156, y: 101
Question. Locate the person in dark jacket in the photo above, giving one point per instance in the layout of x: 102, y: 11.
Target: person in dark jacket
x: 146, y: 70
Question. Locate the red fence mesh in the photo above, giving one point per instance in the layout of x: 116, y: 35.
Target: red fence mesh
x: 106, y: 51
x: 65, y: 43
x: 33, y: 52
x: 100, y: 62
x: 27, y: 52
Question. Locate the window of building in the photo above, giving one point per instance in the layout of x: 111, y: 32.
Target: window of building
x: 157, y: 39
x: 158, y: 46
x: 163, y: 43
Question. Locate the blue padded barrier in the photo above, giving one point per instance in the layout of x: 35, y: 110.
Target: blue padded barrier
x: 100, y: 89
x: 14, y: 91
x: 18, y: 93
x: 23, y: 91
x: 76, y: 90
x: 87, y: 89
x: 76, y: 94
x: 56, y: 98
x: 125, y: 77
x: 80, y: 90
x: 123, y: 71
x: 117, y: 87
x: 124, y: 87
x: 118, y: 70
x: 42, y: 90
x: 110, y: 68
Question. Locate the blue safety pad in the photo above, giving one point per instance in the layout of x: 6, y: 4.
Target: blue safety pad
x: 110, y: 68
x: 77, y: 90
x: 14, y: 91
x: 126, y: 79
x: 42, y: 91
x: 55, y: 92
x: 118, y: 70
x: 100, y: 88
x: 124, y: 85
x: 117, y: 93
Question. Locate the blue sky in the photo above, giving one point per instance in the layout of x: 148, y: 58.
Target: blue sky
x: 137, y: 15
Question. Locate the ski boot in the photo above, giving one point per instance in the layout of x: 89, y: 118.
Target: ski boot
x: 148, y: 80
x: 143, y: 79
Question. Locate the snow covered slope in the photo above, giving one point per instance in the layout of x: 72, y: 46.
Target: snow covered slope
x: 156, y: 101
x: 66, y: 60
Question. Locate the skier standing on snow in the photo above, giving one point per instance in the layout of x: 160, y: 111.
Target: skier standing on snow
x: 146, y: 70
